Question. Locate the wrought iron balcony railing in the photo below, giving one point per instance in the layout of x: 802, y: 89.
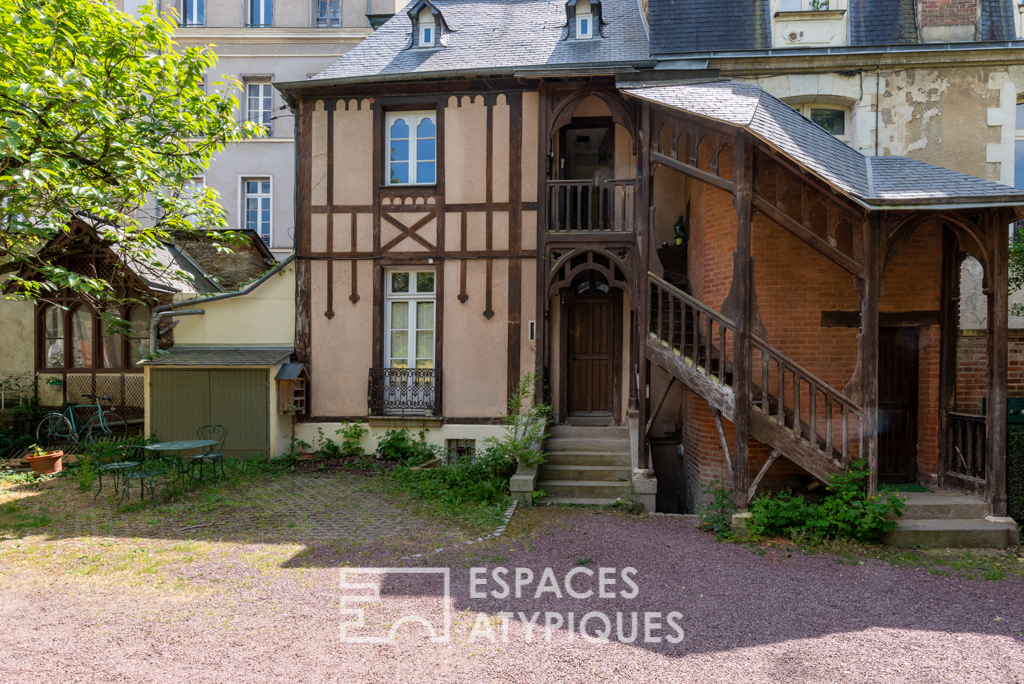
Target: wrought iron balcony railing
x: 593, y: 206
x: 405, y: 392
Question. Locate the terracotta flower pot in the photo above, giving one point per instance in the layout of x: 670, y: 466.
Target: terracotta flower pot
x: 307, y: 457
x: 47, y: 464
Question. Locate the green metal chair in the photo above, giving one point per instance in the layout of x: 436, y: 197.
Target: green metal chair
x: 127, y: 457
x: 150, y: 474
x: 213, y: 454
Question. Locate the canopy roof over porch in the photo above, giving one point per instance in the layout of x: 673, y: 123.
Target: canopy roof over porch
x: 873, y: 182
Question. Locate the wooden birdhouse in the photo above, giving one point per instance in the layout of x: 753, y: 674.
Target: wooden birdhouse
x: 292, y: 388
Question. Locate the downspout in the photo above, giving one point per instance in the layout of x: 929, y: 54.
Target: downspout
x: 169, y: 309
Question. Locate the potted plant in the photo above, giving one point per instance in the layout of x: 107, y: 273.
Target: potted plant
x: 304, y: 449
x: 45, y: 462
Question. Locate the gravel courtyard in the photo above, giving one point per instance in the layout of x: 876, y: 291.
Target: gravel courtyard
x: 153, y: 601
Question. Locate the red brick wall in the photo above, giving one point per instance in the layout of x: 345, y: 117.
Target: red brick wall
x: 948, y: 12
x: 794, y: 284
x: 972, y: 370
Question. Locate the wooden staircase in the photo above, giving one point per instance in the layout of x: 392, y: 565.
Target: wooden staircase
x: 798, y: 415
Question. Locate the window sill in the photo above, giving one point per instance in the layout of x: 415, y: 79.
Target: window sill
x: 811, y: 15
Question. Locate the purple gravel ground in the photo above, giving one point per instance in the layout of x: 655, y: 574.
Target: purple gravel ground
x: 747, y: 618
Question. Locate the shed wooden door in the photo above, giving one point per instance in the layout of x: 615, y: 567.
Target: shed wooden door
x: 182, y: 401
x: 897, y: 404
x: 590, y: 355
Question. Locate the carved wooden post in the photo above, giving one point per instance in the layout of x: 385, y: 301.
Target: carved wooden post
x: 949, y: 328
x: 997, y: 234
x: 303, y: 195
x: 741, y: 289
x: 870, y: 292
x: 644, y: 234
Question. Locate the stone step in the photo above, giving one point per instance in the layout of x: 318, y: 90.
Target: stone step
x: 585, y: 489
x: 584, y: 472
x: 578, y: 501
x: 589, y: 431
x: 570, y: 444
x: 618, y: 459
x: 951, y: 533
x: 941, y: 506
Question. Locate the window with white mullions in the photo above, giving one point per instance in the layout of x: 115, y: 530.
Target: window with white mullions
x: 258, y: 206
x: 411, y: 148
x: 261, y: 13
x: 328, y: 14
x: 835, y: 120
x: 584, y: 20
x: 260, y: 105
x: 193, y: 13
x: 410, y: 318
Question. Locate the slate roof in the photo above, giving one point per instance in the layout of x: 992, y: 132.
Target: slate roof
x: 882, y: 22
x: 499, y: 36
x: 219, y: 356
x: 172, y: 270
x: 997, y: 21
x: 679, y: 26
x: 877, y: 181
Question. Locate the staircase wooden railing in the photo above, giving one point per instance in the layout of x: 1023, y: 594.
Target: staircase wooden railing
x: 601, y: 206
x: 784, y: 393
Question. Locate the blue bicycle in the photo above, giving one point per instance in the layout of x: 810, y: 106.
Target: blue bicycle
x: 59, y: 430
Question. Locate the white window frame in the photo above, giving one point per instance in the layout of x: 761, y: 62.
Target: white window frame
x: 187, y: 21
x: 266, y: 7
x: 427, y: 23
x: 329, y: 19
x: 264, y: 117
x: 1018, y: 139
x: 244, y: 197
x: 805, y: 6
x: 412, y: 297
x: 806, y: 108
x: 580, y: 33
x: 413, y: 119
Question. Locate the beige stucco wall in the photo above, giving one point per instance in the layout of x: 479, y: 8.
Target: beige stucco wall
x: 16, y: 336
x: 307, y: 432
x: 263, y: 317
x: 465, y: 158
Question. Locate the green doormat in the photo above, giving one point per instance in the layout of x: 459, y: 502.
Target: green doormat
x: 902, y: 488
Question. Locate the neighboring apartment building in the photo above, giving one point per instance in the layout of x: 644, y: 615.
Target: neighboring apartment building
x: 261, y: 42
x: 474, y: 206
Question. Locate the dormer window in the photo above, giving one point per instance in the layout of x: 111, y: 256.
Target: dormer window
x: 428, y: 28
x: 584, y: 20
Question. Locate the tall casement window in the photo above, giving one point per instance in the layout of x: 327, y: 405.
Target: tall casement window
x: 257, y: 206
x: 328, y: 14
x: 835, y: 120
x: 428, y: 29
x: 584, y: 20
x: 259, y: 104
x: 411, y: 148
x: 261, y: 13
x: 193, y: 13
x: 1018, y: 150
x: 409, y: 317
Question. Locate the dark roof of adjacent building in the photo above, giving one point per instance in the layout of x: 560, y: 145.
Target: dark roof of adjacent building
x: 876, y: 181
x: 997, y: 20
x: 882, y: 22
x: 219, y: 356
x: 679, y: 26
x: 496, y: 36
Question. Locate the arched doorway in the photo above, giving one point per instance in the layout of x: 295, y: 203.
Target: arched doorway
x: 593, y: 348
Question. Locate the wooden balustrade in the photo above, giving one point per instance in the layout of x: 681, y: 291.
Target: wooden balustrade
x: 965, y: 439
x: 593, y: 206
x: 783, y: 391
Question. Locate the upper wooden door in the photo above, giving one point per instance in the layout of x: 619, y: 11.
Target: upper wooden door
x: 591, y: 345
x: 898, y: 362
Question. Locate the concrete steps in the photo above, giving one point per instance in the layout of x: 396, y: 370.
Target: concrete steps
x: 586, y: 464
x: 947, y: 520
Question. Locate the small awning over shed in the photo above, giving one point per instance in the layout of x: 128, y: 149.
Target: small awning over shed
x: 219, y: 356
x: 289, y: 371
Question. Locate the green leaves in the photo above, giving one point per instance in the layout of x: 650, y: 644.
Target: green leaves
x: 102, y: 116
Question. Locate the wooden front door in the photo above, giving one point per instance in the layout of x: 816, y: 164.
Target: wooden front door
x: 591, y: 346
x: 897, y: 404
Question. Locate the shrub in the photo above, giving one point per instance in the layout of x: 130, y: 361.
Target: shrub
x: 716, y: 515
x: 481, y: 480
x: 398, y: 444
x: 846, y: 512
x: 1015, y: 472
x: 351, y: 437
x: 524, y: 430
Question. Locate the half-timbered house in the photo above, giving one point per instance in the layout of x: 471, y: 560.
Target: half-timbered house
x: 491, y: 188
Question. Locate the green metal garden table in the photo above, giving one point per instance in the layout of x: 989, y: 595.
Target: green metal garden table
x: 148, y: 477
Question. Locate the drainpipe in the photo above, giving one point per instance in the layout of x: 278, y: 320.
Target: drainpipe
x: 169, y: 309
